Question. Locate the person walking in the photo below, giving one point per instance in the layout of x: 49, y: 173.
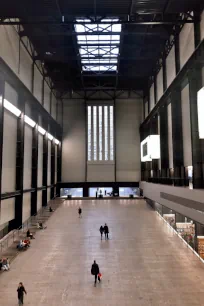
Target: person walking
x: 21, y: 290
x: 106, y: 231
x: 95, y: 271
x: 101, y: 229
x: 80, y: 212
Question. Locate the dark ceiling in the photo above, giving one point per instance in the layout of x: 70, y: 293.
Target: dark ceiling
x: 146, y: 26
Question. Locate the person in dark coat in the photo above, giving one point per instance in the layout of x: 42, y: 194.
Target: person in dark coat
x: 95, y: 271
x: 101, y: 229
x: 80, y: 212
x: 21, y: 290
x: 29, y: 234
x: 106, y: 231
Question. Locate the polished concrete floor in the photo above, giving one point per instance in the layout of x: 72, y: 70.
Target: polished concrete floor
x: 143, y: 263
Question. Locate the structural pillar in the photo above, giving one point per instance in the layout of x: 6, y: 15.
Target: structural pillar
x: 45, y: 168
x: 195, y: 84
x: 52, y: 168
x: 34, y: 169
x: 2, y: 86
x: 177, y: 135
x: 19, y: 163
x: 164, y: 141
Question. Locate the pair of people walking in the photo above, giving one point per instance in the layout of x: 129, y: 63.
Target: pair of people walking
x: 104, y: 229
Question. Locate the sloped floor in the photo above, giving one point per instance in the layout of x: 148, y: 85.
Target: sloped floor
x: 143, y: 263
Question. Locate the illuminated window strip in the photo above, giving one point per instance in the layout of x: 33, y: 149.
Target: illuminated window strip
x: 17, y: 112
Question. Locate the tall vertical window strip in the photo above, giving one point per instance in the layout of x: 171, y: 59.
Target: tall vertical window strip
x: 95, y: 132
x: 89, y: 133
x: 100, y: 122
x: 106, y: 131
x: 111, y: 133
x: 100, y: 133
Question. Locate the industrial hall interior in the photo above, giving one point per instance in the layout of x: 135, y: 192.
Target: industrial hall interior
x: 102, y: 152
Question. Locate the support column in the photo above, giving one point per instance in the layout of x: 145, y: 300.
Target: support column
x: 155, y: 90
x: 52, y: 168
x: 34, y: 169
x: 164, y: 74
x: 177, y: 135
x: 2, y: 86
x: 45, y: 168
x: 177, y: 54
x: 195, y: 84
x: 164, y: 141
x: 19, y: 164
x: 59, y: 164
x: 197, y: 34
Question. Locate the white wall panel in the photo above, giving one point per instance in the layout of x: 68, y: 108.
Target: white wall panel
x: 49, y: 164
x: 40, y: 160
x: 159, y: 134
x: 186, y: 127
x: 74, y: 141
x: 10, y: 94
x: 203, y: 76
x: 46, y: 97
x: 39, y: 200
x: 59, y: 112
x: 160, y: 85
x: 151, y: 96
x: 25, y: 67
x: 9, y: 49
x: 48, y: 194
x: 128, y: 116
x: 54, y: 106
x: 27, y: 173
x: 9, y: 153
x: 100, y: 173
x: 7, y: 210
x: 187, y: 43
x: 37, y: 90
x: 202, y: 25
x: 171, y: 66
x: 170, y: 140
x: 26, y: 206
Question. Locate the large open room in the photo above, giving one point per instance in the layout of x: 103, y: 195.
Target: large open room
x: 102, y: 152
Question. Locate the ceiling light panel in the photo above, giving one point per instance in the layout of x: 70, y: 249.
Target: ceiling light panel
x: 104, y: 44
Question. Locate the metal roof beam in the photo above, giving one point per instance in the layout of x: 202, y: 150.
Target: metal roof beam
x: 139, y: 23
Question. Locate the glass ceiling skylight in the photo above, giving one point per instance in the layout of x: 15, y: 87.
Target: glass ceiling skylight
x: 98, y: 44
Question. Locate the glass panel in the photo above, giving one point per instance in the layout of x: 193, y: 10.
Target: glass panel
x: 111, y: 134
x: 95, y: 131
x: 89, y: 133
x: 100, y: 133
x: 106, y: 131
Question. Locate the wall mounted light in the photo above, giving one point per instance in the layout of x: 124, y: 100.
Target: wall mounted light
x: 41, y: 130
x: 200, y: 106
x: 50, y: 137
x: 10, y: 107
x: 56, y: 141
x: 29, y: 121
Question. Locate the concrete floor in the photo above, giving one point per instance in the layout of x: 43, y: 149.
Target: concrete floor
x: 143, y: 263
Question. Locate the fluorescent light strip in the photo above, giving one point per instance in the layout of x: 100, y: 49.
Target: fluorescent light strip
x: 50, y: 137
x: 56, y: 141
x: 10, y: 107
x: 41, y: 130
x: 29, y: 121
